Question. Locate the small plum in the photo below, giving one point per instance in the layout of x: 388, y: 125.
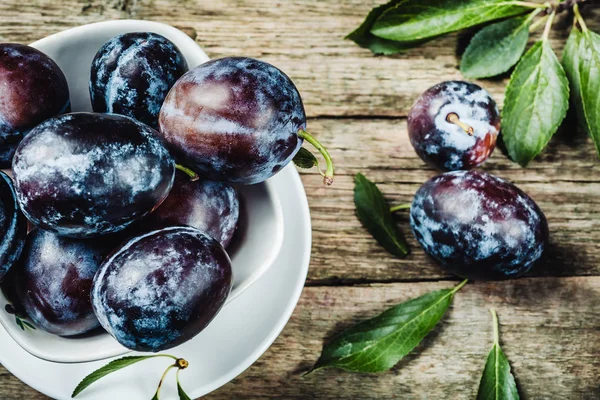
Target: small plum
x: 454, y: 125
x: 32, y: 89
x: 478, y: 226
x: 85, y: 174
x: 54, y: 278
x: 212, y: 207
x: 162, y: 288
x: 132, y: 74
x: 237, y: 120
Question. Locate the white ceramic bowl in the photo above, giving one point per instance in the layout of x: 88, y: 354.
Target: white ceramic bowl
x: 259, y: 238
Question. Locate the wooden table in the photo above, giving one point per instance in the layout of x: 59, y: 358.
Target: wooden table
x: 357, y: 103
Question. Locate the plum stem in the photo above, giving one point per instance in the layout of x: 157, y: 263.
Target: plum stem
x: 453, y: 118
x: 405, y: 206
x: 328, y: 175
x: 193, y: 176
x: 162, y: 378
x: 495, y: 325
x: 182, y: 363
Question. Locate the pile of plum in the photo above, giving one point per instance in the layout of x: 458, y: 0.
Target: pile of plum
x: 474, y: 224
x: 124, y: 234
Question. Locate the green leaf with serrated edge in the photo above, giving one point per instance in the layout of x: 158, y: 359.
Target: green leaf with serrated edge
x: 497, y: 382
x: 379, y: 343
x: 535, y: 103
x: 181, y: 392
x: 414, y: 20
x: 374, y: 212
x: 581, y: 60
x: 305, y: 159
x: 111, y: 367
x: 364, y: 38
x: 495, y: 48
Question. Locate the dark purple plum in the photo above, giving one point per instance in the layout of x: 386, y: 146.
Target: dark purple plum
x: 212, y: 207
x: 53, y: 281
x: 84, y: 174
x: 478, y: 226
x: 132, y: 74
x: 162, y: 288
x: 454, y: 125
x: 13, y: 226
x: 235, y: 119
x: 32, y: 89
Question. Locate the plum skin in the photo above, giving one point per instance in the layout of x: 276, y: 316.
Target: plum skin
x: 478, y: 226
x: 445, y: 145
x: 13, y: 226
x: 54, y: 278
x: 162, y: 288
x: 32, y: 89
x: 132, y: 73
x: 233, y: 119
x: 84, y: 174
x: 210, y: 206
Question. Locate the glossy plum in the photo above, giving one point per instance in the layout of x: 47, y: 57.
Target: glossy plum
x: 132, y: 74
x: 162, y: 288
x: 86, y: 174
x: 212, y: 207
x: 13, y: 226
x: 478, y: 226
x: 32, y: 89
x: 234, y: 119
x: 454, y: 125
x: 54, y: 278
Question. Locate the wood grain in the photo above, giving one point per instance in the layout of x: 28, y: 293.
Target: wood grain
x: 564, y: 181
x: 548, y: 328
x: 357, y: 103
x: 297, y: 36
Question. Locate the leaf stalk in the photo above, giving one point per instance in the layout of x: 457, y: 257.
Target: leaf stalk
x: 459, y: 286
x: 548, y: 25
x: 579, y: 18
x: 495, y: 326
x: 405, y: 206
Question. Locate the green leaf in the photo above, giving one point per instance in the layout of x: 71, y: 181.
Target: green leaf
x: 155, y: 397
x: 379, y: 343
x: 374, y: 213
x: 181, y: 392
x: 364, y: 38
x: 305, y: 159
x: 495, y: 48
x: 535, y: 103
x: 581, y: 60
x: 111, y: 367
x: 413, y: 20
x: 497, y: 382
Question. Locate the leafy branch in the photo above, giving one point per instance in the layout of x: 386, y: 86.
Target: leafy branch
x: 537, y: 95
x: 123, y: 362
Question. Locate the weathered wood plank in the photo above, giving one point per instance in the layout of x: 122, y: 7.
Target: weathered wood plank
x: 303, y: 37
x: 565, y: 182
x: 549, y: 330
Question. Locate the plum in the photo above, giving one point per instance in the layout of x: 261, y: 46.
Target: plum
x: 84, y: 174
x: 54, y: 278
x: 212, y: 207
x: 478, y: 226
x: 162, y: 288
x: 132, y: 74
x: 454, y: 125
x: 13, y: 226
x: 32, y: 89
x: 237, y: 120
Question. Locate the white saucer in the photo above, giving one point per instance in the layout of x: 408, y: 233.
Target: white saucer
x: 236, y: 338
